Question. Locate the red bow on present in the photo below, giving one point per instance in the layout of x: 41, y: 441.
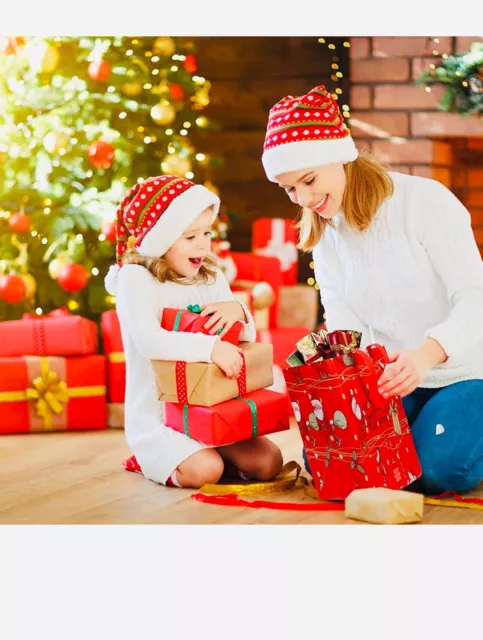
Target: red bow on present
x: 56, y: 313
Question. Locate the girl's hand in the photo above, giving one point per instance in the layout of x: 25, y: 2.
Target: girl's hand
x: 407, y: 369
x: 227, y: 357
x: 223, y: 315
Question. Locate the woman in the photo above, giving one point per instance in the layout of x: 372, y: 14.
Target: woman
x: 395, y: 257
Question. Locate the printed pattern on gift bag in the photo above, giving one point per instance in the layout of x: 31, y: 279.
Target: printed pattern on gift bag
x: 354, y: 438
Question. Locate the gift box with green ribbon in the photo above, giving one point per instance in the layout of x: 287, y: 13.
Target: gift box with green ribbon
x: 255, y: 414
x: 191, y: 321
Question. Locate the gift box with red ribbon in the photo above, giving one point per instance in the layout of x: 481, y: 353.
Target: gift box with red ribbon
x: 191, y: 321
x: 39, y: 394
x: 58, y: 333
x: 278, y: 237
x: 114, y: 351
x: 205, y: 384
x: 354, y: 437
x: 255, y: 414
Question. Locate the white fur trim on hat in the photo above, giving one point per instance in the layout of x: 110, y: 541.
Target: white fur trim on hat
x: 179, y: 215
x: 307, y: 154
x: 110, y: 281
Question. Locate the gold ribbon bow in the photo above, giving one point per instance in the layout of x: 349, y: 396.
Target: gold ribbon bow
x: 49, y: 393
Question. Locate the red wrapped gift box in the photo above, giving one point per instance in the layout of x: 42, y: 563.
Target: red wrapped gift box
x: 57, y: 334
x: 354, y: 438
x: 52, y: 394
x: 192, y: 322
x: 278, y: 237
x: 255, y: 414
x: 114, y: 350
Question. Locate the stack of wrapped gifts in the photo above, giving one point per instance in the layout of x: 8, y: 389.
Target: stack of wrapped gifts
x: 203, y: 403
x: 52, y: 377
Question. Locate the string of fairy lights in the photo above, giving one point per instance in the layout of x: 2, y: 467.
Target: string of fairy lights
x: 336, y: 76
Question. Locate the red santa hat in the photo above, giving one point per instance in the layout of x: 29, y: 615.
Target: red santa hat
x: 305, y: 132
x: 156, y: 212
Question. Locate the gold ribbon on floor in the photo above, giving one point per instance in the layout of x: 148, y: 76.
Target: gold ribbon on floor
x: 48, y: 394
x: 283, y: 482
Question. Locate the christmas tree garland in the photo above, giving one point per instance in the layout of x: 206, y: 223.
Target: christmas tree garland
x: 462, y: 75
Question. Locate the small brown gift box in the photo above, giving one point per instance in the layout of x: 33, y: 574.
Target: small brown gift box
x: 203, y: 384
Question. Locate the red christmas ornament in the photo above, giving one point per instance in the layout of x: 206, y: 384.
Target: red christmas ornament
x: 191, y: 63
x: 73, y: 277
x: 99, y: 70
x: 19, y: 223
x: 109, y: 230
x: 176, y: 91
x: 12, y: 289
x: 10, y: 44
x: 101, y: 154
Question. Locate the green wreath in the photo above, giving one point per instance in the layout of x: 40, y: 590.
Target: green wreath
x: 462, y: 75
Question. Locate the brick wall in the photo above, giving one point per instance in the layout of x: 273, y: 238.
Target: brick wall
x: 400, y: 122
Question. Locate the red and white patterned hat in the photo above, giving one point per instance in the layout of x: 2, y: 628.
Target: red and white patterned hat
x: 304, y: 132
x: 157, y: 212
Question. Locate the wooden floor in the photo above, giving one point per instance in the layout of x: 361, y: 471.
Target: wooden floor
x: 77, y: 478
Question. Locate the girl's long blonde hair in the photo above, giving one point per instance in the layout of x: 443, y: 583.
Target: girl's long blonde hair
x: 161, y: 270
x: 368, y: 184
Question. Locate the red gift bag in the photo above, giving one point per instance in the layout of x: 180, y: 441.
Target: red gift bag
x: 191, y: 321
x: 354, y: 438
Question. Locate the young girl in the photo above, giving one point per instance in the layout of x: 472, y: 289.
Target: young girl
x: 395, y: 257
x: 169, y: 266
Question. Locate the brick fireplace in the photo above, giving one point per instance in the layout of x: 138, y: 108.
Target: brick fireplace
x: 400, y: 122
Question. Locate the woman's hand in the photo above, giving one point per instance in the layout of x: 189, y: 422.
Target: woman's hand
x: 222, y: 315
x: 407, y: 369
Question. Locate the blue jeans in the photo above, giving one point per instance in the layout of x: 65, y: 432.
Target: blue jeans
x: 447, y: 428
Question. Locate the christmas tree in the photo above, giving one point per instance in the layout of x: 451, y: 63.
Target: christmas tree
x: 81, y: 120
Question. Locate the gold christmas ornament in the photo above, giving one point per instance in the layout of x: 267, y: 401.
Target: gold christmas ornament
x: 132, y: 89
x: 164, y: 46
x: 30, y: 285
x: 56, y: 265
x: 263, y: 295
x: 42, y: 57
x: 175, y: 165
x: 163, y: 113
x: 55, y: 141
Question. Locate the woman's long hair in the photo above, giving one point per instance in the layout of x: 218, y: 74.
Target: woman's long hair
x: 368, y: 184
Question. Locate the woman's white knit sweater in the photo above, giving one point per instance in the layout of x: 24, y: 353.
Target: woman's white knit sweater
x: 415, y: 273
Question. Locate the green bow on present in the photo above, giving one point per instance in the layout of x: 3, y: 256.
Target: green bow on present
x: 195, y: 308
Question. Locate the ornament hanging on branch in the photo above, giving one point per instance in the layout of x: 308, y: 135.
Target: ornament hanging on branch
x: 163, y: 113
x: 109, y: 230
x: 164, y: 46
x: 99, y: 70
x: 176, y: 165
x: 19, y: 223
x: 176, y: 91
x: 12, y: 288
x: 73, y: 277
x: 101, y: 154
x: 190, y: 63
